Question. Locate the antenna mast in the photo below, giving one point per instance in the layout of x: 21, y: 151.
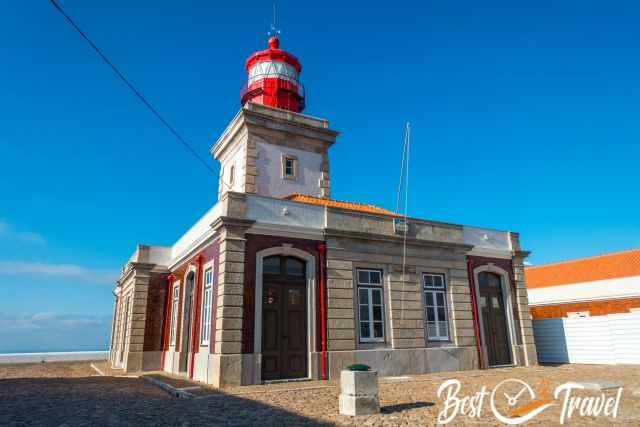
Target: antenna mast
x: 274, y: 29
x: 400, y: 224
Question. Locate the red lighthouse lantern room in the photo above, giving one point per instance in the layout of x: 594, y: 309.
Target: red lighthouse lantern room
x: 273, y: 79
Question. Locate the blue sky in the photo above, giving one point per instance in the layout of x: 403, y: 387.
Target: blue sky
x: 525, y: 117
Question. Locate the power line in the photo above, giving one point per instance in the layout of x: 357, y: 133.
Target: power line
x: 137, y: 93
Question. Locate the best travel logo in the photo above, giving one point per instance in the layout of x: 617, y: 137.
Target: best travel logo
x: 522, y: 403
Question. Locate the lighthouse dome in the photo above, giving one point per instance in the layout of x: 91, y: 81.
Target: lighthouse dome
x: 273, y: 79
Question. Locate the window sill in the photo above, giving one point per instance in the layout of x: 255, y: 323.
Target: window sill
x: 372, y: 345
x: 439, y: 343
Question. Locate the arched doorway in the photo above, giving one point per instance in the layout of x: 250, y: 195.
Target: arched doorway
x: 185, y: 338
x: 492, y: 306
x: 284, y: 318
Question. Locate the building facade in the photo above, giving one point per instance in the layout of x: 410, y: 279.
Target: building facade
x: 587, y: 310
x: 279, y: 281
x: 592, y: 286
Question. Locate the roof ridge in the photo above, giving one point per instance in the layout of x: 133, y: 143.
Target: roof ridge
x: 567, y: 261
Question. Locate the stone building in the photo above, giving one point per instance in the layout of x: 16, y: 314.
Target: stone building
x: 279, y: 281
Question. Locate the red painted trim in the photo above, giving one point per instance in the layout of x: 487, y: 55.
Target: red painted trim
x: 273, y: 53
x: 165, y: 321
x: 195, y: 331
x: 474, y: 309
x: 322, y: 249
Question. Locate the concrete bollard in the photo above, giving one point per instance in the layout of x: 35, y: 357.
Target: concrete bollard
x: 359, y: 393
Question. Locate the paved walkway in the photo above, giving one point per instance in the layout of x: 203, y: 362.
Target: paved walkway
x: 62, y: 395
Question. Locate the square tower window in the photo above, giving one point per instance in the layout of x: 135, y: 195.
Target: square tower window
x: 289, y: 167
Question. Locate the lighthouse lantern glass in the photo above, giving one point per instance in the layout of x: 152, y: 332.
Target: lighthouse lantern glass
x: 273, y: 69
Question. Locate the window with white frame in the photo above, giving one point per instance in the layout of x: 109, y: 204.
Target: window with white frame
x: 206, y: 307
x: 370, y: 305
x: 289, y: 167
x: 435, y: 302
x: 174, y: 314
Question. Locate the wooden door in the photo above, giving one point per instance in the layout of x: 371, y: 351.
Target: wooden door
x: 494, y: 319
x: 284, y: 327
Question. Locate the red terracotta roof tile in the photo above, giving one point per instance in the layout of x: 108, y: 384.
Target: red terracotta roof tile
x: 323, y: 201
x: 599, y: 267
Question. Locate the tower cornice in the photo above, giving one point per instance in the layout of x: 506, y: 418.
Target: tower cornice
x: 260, y: 116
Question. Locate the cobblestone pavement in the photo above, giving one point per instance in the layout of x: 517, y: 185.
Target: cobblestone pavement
x: 67, y: 395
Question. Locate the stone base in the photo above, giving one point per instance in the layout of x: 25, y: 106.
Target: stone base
x: 396, y: 362
x: 358, y: 405
x: 245, y: 369
x: 201, y: 366
x: 359, y: 393
x: 227, y: 369
x: 530, y: 353
x: 137, y: 361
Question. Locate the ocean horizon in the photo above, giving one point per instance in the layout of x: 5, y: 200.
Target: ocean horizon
x: 58, y: 350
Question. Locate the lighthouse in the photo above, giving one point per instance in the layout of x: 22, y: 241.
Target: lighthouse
x: 273, y: 79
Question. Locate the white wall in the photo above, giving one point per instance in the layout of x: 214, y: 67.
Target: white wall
x: 611, y: 339
x: 236, y: 157
x: 270, y: 182
x: 266, y: 210
x: 624, y: 287
x: 487, y: 242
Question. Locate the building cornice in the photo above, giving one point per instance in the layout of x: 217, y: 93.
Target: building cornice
x: 133, y: 268
x: 227, y: 221
x: 260, y: 116
x: 521, y: 254
x: 397, y: 239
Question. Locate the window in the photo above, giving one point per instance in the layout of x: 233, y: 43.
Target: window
x: 370, y: 307
x: 271, y: 265
x: 174, y: 315
x: 295, y: 267
x: 232, y: 174
x: 291, y: 267
x: 435, y: 294
x: 206, y: 307
x: 289, y: 167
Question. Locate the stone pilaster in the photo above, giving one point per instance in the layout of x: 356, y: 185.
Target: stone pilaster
x: 113, y: 343
x: 250, y: 167
x: 227, y: 358
x: 341, y: 332
x: 406, y: 324
x: 324, y: 176
x: 136, y: 289
x: 522, y: 301
x: 462, y: 328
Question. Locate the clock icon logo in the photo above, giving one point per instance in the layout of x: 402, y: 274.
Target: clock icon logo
x: 515, y: 396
